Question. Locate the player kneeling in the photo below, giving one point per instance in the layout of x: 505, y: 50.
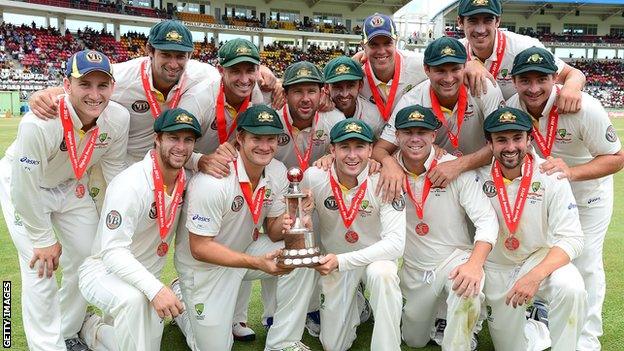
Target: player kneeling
x: 440, y: 258
x: 365, y: 238
x: 140, y: 208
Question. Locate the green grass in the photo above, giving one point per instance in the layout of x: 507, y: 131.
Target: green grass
x: 173, y: 339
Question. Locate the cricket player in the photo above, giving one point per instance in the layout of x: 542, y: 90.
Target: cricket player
x: 141, y: 209
x: 44, y: 178
x: 491, y: 51
x: 539, y: 235
x: 344, y: 80
x: 222, y: 246
x: 217, y: 104
x: 363, y: 238
x: 441, y: 260
x: 461, y: 114
x: 584, y: 147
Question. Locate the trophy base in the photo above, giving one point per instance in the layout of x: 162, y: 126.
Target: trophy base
x: 299, y: 258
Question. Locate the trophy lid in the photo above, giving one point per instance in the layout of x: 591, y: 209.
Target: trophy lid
x: 295, y: 175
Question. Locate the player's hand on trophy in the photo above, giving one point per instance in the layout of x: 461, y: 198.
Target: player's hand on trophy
x: 44, y: 103
x: 475, y: 76
x: 553, y: 165
x: 444, y: 173
x: 467, y: 279
x: 324, y: 162
x: 268, y: 264
x: 48, y: 258
x: 328, y: 264
x: 569, y: 100
x: 391, y: 180
x: 166, y: 303
x: 217, y: 164
x: 307, y: 206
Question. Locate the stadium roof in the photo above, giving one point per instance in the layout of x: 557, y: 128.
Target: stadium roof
x: 385, y: 6
x: 559, y: 8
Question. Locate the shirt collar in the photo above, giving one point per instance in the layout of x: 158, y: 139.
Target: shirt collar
x: 147, y: 168
x: 242, y: 173
x: 360, y: 178
x: 428, y: 161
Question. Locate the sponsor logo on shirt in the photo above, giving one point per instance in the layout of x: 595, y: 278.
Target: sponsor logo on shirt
x: 571, y: 206
x: 200, y: 218
x: 283, y: 139
x: 140, y: 106
x: 563, y: 136
x: 152, y: 212
x: 611, y: 135
x: 29, y: 161
x: 593, y: 199
x: 113, y: 220
x: 94, y: 192
x: 489, y: 188
x: 536, y: 193
x: 330, y: 203
x: 18, y: 220
x: 237, y: 203
x: 399, y: 203
x: 213, y: 125
x: 469, y: 112
x: 63, y: 146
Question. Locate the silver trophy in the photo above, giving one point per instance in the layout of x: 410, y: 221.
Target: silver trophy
x: 300, y: 249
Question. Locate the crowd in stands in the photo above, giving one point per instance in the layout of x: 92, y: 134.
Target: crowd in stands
x: 113, y: 6
x: 32, y: 58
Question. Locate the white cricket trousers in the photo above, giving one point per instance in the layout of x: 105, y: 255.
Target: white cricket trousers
x: 424, y: 291
x: 340, y: 315
x: 52, y: 314
x: 563, y: 291
x: 595, y: 219
x: 210, y: 295
x: 135, y: 322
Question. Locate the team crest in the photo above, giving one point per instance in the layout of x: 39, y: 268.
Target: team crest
x: 611, y: 135
x: 353, y: 128
x: 173, y: 36
x: 507, y: 117
x: 267, y: 194
x: 535, y: 58
x: 237, y: 204
x: 304, y: 72
x: 93, y: 192
x: 416, y: 116
x: 184, y: 118
x: 103, y: 137
x: 535, y: 186
x: 399, y: 203
x: 199, y: 309
x: 243, y: 50
x: 489, y: 188
x: 504, y: 72
x: 283, y: 139
x: 479, y: 2
x: 94, y: 56
x: 448, y: 51
x: 330, y: 203
x: 140, y: 106
x: 364, y: 204
x: 377, y: 21
x: 343, y: 69
x: 152, y: 212
x: 562, y: 132
x: 319, y: 133
x: 113, y: 220
x: 265, y: 117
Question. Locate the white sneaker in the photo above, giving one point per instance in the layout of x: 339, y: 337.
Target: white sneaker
x: 313, y: 323
x: 89, y: 329
x: 362, y: 304
x: 298, y: 346
x: 242, y: 332
x: 438, y: 334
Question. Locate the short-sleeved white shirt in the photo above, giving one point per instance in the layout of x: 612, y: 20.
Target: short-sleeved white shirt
x: 130, y: 94
x: 412, y: 74
x: 380, y: 227
x: 579, y: 138
x: 446, y: 212
x: 217, y: 208
x: 514, y: 45
x: 320, y: 137
x: 550, y: 216
x: 471, y: 136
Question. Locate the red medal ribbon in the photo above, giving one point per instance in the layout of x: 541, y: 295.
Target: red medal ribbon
x: 500, y: 52
x: 79, y: 165
x: 164, y: 223
x: 304, y: 160
x: 253, y: 202
x: 462, y: 105
x: 149, y: 94
x: 224, y: 134
x: 545, y: 145
x: 348, y: 216
x: 420, y: 207
x: 512, y: 217
x: 385, y: 109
